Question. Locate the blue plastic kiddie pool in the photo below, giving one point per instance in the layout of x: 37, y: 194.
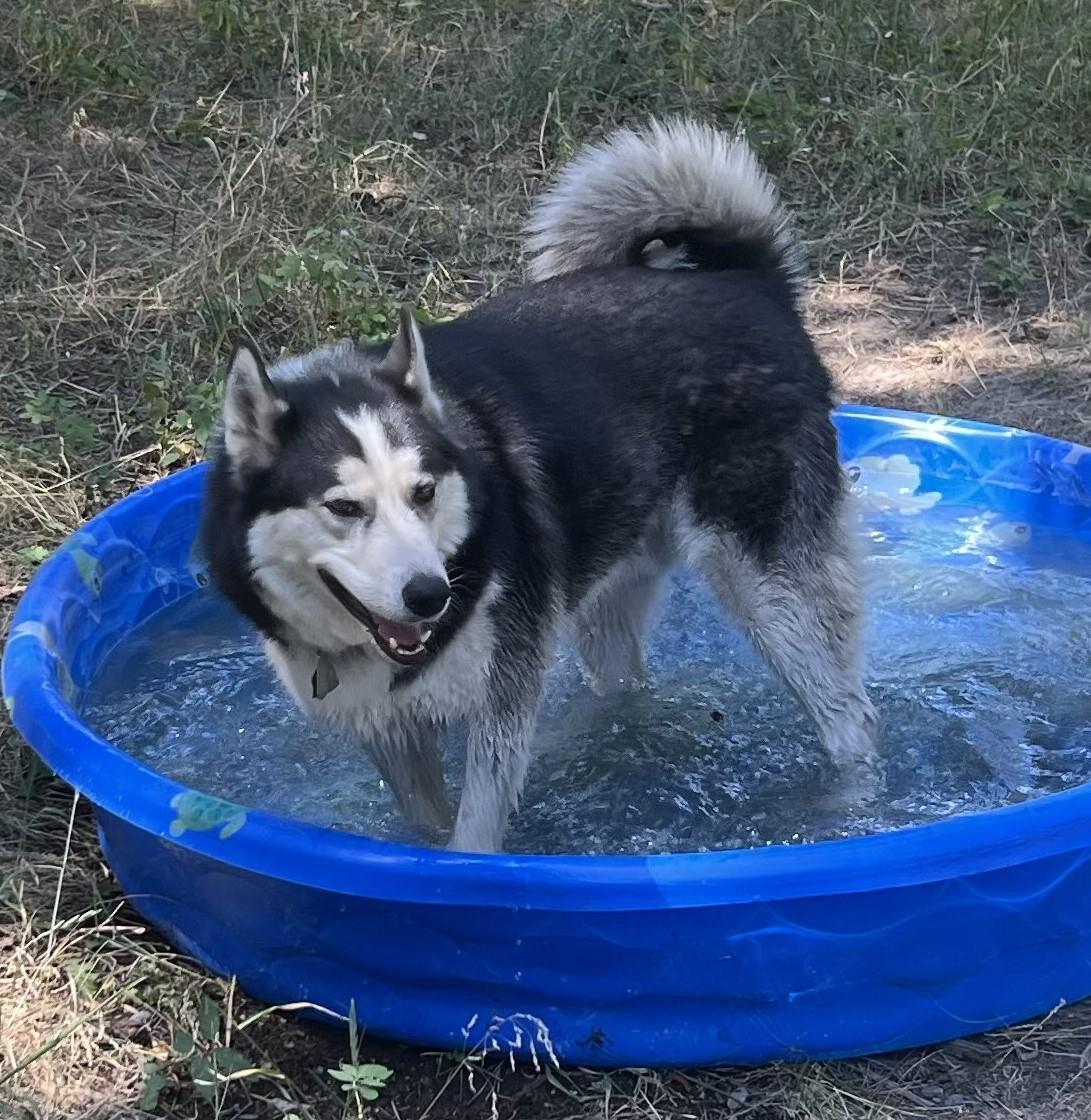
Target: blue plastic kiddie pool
x: 818, y: 951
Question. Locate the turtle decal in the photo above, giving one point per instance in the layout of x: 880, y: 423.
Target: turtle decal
x: 42, y: 635
x: 36, y: 631
x: 87, y: 564
x: 199, y: 812
x: 90, y: 570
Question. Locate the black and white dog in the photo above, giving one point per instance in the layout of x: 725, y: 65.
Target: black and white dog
x: 414, y: 526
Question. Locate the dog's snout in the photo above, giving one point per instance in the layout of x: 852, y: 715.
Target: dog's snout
x: 426, y: 596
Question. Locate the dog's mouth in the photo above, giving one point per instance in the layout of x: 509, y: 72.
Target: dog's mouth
x: 403, y: 642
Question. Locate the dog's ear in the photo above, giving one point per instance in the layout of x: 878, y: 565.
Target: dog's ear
x: 406, y: 368
x: 251, y: 408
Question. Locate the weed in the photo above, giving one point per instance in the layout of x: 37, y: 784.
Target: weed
x: 32, y: 555
x: 229, y: 19
x: 325, y: 275
x: 202, y: 1059
x: 63, y: 417
x: 1005, y: 277
x: 183, y: 411
x: 79, y: 49
x: 1075, y: 199
x: 361, y: 1081
x: 291, y: 38
x: 1000, y: 203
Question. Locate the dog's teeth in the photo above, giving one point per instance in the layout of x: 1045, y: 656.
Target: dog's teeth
x: 425, y: 635
x: 392, y: 642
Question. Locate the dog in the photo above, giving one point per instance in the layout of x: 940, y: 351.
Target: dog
x: 414, y: 526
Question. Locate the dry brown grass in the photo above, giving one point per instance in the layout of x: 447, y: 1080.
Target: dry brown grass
x: 172, y: 168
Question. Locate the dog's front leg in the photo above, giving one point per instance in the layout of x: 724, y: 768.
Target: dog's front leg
x: 409, y: 762
x: 502, y: 727
x: 497, y: 754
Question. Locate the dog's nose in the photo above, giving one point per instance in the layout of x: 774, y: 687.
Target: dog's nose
x: 425, y: 596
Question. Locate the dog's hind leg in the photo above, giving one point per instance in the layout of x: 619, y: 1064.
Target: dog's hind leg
x: 611, y: 623
x: 410, y: 764
x: 802, y: 612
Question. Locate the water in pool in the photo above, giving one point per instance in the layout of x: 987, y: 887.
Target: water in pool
x: 979, y: 660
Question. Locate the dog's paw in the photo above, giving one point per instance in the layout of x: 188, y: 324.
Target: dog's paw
x: 637, y: 681
x: 473, y: 846
x: 859, y: 784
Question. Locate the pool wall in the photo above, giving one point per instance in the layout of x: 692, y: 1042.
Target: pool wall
x: 815, y: 951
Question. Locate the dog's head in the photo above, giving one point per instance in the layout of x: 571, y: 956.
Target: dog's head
x: 351, y: 492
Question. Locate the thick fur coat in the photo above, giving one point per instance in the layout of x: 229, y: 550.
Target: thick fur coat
x: 413, y: 527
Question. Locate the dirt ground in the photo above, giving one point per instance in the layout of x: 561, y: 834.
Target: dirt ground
x: 170, y: 169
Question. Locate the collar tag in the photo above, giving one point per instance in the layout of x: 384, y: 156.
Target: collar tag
x: 324, y: 679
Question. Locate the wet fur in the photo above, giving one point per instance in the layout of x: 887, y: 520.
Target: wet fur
x: 603, y: 424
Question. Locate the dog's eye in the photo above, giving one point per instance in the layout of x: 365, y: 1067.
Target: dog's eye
x: 423, y: 493
x: 344, y: 507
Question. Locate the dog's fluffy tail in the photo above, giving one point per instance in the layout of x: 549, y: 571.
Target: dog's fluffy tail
x: 675, y: 194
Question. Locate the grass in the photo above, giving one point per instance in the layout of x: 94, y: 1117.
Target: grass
x: 175, y: 168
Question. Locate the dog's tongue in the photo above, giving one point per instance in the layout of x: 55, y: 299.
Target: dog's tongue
x: 405, y: 634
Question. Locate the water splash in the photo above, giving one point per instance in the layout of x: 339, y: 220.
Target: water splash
x: 979, y: 661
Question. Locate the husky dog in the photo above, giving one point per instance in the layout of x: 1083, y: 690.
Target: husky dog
x: 414, y: 526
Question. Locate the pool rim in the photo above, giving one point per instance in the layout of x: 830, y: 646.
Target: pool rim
x: 308, y: 855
